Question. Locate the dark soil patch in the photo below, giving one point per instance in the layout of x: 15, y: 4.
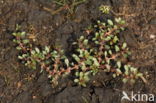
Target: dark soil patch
x: 19, y: 84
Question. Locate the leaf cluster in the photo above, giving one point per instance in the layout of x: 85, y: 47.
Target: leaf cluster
x: 100, y: 50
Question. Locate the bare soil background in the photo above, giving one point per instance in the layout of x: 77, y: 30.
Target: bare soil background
x: 19, y: 84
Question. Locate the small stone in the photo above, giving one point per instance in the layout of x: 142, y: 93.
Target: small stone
x: 19, y: 84
x: 152, y: 36
x: 34, y: 97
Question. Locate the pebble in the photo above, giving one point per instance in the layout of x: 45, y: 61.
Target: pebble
x: 152, y: 36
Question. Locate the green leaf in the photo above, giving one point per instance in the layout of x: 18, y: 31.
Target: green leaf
x: 107, y: 46
x: 81, y: 53
x: 25, y: 41
x: 126, y: 67
x: 115, y: 27
x: 74, y: 43
x: 81, y: 37
x: 85, y: 42
x: 124, y: 80
x: 37, y: 50
x: 118, y: 71
x: 108, y: 38
x: 115, y: 39
x: 81, y: 74
x: 117, y: 48
x: 84, y: 85
x: 98, y: 21
x: 90, y: 57
x: 14, y: 34
x: 33, y: 52
x: 122, y: 22
x: 139, y: 75
x: 124, y: 45
x: 83, y: 67
x: 25, y: 55
x: 93, y: 39
x: 110, y: 52
x: 18, y: 48
x: 119, y: 64
x: 106, y: 53
x: 86, y: 53
x: 122, y: 28
x: 47, y: 49
x: 18, y: 27
x: 76, y: 80
x: 126, y: 72
x: 117, y: 20
x: 88, y: 62
x: 134, y: 70
x: 44, y: 52
x: 103, y: 62
x: 95, y: 26
x: 110, y: 22
x: 20, y: 57
x: 76, y: 57
x: 67, y: 62
x: 86, y: 78
x: 87, y: 73
x: 117, y: 31
x: 96, y: 35
x: 14, y: 40
x: 96, y: 42
x: 114, y: 75
x: 77, y: 74
x: 104, y: 24
x: 96, y: 63
x: 22, y: 33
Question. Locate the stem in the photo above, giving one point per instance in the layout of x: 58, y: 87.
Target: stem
x: 143, y: 79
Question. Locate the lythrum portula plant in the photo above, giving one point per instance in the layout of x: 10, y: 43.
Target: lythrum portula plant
x: 99, y: 50
x: 54, y: 62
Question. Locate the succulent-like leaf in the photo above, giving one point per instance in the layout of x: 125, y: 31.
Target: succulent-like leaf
x: 124, y: 45
x: 110, y: 22
x: 47, y: 49
x: 115, y: 39
x: 85, y: 42
x: 76, y: 57
x: 67, y: 62
x: 18, y: 48
x: 96, y: 63
x: 76, y: 80
x: 81, y: 38
x: 119, y: 64
x: 81, y: 74
x: 37, y: 50
x: 25, y: 41
x: 124, y: 80
x: 117, y: 48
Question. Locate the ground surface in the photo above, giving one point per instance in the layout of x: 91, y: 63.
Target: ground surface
x: 19, y: 84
